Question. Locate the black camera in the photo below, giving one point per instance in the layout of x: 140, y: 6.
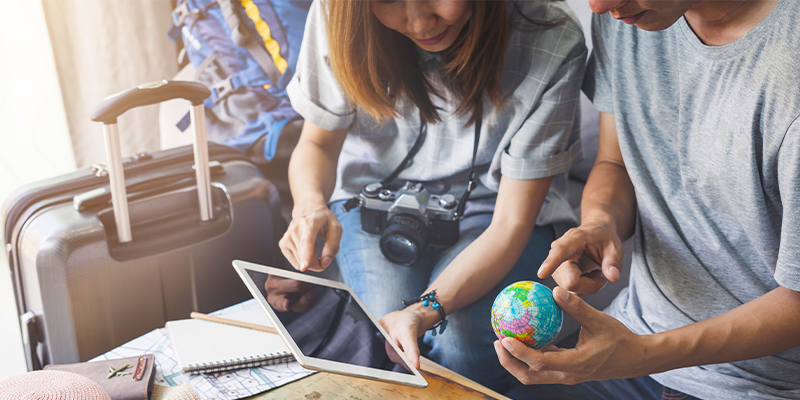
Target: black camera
x: 408, y: 219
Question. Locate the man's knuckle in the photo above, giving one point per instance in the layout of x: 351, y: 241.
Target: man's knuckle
x: 570, y: 282
x: 539, y: 366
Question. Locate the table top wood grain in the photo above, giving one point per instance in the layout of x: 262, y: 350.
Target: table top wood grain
x: 442, y: 384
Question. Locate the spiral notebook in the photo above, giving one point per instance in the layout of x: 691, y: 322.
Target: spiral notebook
x: 203, y: 347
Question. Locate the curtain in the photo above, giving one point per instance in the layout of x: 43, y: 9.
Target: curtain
x: 102, y: 47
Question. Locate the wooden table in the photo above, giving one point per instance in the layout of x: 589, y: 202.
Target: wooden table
x: 442, y: 384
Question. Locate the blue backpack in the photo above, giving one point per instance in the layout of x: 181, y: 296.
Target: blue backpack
x: 246, y: 52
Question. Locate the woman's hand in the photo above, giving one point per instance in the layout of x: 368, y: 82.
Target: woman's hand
x: 404, y: 327
x: 288, y: 294
x: 584, y: 258
x: 299, y: 243
x: 606, y: 349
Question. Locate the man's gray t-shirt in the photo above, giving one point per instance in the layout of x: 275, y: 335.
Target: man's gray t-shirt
x: 711, y: 140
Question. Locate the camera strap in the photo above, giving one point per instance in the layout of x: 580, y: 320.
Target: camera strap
x: 472, y: 180
x: 423, y: 131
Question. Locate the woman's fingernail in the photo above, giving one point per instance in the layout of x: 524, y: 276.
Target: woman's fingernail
x: 540, y: 270
x: 562, y: 294
x: 326, y: 261
x: 497, y: 346
x: 303, y: 265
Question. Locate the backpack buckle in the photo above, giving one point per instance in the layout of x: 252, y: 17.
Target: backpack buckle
x: 180, y: 13
x: 224, y: 88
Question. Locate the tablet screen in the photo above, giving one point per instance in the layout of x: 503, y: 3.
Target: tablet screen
x: 334, y: 328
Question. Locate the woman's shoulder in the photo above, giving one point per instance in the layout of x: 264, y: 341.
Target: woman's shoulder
x: 545, y: 40
x: 548, y: 25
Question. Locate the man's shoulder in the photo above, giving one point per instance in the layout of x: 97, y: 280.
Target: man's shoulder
x: 783, y: 35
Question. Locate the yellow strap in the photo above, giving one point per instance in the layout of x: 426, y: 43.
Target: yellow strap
x: 271, y: 44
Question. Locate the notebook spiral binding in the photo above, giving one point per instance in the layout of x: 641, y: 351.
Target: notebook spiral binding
x: 239, y: 363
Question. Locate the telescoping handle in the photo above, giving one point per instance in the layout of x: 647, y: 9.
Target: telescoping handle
x: 112, y: 107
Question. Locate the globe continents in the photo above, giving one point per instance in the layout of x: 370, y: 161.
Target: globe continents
x: 526, y: 311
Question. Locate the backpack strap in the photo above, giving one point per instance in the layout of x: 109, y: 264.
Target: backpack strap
x: 222, y: 88
x: 267, y: 57
x: 241, y: 38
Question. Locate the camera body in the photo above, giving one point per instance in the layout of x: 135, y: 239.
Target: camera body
x: 408, y: 219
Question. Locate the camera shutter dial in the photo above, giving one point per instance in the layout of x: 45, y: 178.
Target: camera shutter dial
x: 448, y: 201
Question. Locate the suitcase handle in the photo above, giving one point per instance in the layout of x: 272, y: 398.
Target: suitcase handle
x: 113, y: 106
x: 146, y: 94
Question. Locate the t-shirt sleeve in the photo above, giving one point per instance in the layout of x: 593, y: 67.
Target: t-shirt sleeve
x: 787, y: 271
x: 598, y: 83
x: 549, y: 141
x: 313, y: 90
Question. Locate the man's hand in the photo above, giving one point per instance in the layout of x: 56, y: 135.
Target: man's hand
x: 288, y: 294
x: 606, y: 349
x: 576, y: 258
x: 300, y: 240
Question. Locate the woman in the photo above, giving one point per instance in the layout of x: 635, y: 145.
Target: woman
x: 375, y: 75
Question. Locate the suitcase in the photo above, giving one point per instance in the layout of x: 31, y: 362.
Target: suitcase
x: 105, y: 254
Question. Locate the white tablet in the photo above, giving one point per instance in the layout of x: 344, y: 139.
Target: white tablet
x: 337, y: 334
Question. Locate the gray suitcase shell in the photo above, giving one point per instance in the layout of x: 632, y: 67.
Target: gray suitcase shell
x: 80, y: 292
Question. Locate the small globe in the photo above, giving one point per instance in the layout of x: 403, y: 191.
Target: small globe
x: 527, y: 311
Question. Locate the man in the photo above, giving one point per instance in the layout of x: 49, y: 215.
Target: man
x: 699, y: 161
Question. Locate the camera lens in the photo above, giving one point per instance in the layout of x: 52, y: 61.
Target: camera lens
x: 403, y: 239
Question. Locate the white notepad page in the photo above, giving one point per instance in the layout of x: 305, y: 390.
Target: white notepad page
x: 203, y: 346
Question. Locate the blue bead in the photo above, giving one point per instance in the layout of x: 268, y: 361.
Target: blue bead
x: 435, y: 306
x: 443, y: 326
x: 433, y: 332
x: 425, y: 303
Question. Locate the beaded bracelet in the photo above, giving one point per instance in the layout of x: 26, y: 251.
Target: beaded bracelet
x: 430, y: 299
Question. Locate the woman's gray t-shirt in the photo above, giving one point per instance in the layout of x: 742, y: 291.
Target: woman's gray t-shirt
x: 536, y: 135
x: 711, y: 140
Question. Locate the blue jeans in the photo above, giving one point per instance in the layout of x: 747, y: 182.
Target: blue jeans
x: 641, y: 388
x: 467, y: 345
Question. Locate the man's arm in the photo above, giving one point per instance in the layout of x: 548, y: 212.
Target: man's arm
x: 767, y: 325
x: 608, y: 350
x: 608, y: 197
x: 608, y: 212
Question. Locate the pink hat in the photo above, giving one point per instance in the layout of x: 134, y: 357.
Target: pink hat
x: 50, y: 385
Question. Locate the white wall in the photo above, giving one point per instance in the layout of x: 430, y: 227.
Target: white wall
x: 34, y: 139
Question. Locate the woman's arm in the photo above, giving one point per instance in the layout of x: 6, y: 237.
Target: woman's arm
x: 479, y: 267
x: 486, y: 261
x: 312, y: 177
